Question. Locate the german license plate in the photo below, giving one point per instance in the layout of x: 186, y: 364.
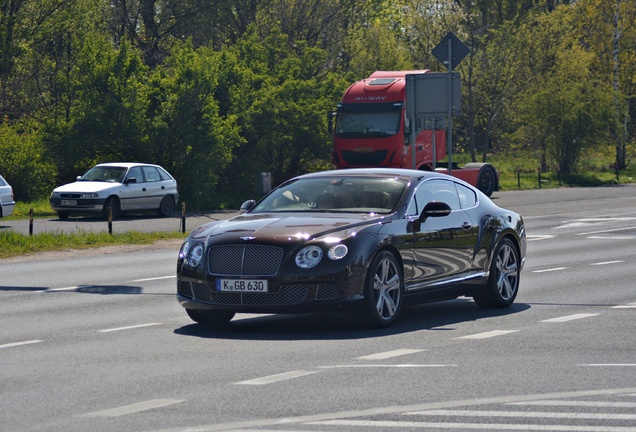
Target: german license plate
x: 241, y: 285
x: 69, y: 202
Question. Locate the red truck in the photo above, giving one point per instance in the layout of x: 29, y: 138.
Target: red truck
x: 370, y: 129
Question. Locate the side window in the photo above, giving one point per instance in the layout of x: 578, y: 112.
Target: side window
x: 467, y: 197
x: 164, y: 175
x: 151, y: 173
x: 434, y: 190
x: 136, y: 173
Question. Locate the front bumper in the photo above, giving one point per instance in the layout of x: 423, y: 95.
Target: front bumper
x: 287, y: 298
x: 81, y: 205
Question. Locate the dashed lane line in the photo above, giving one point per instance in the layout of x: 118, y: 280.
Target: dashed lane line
x: 278, y: 377
x: 17, y: 344
x: 134, y: 408
x: 549, y: 270
x: 569, y: 318
x: 128, y: 327
x: 390, y: 354
x: 488, y: 334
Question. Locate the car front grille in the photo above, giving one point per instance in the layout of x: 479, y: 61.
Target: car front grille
x: 287, y: 295
x: 244, y: 260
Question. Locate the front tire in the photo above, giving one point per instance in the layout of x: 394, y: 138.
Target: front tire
x: 383, y: 291
x: 113, y: 203
x: 503, y: 283
x: 210, y: 317
x: 62, y: 215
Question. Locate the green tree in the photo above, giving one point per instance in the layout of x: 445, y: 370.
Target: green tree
x: 570, y: 112
x: 186, y: 132
x: 25, y: 162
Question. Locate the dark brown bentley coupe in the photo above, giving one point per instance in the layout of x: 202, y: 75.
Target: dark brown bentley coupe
x: 365, y: 242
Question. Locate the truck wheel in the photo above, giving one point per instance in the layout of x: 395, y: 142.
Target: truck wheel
x: 487, y: 177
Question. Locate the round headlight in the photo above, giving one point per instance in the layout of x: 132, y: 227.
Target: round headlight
x: 308, y: 257
x: 195, y: 255
x: 337, y: 252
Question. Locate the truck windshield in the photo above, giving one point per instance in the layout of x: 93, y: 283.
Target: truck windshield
x: 368, y: 124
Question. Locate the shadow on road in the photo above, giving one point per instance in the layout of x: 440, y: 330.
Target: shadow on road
x: 433, y: 316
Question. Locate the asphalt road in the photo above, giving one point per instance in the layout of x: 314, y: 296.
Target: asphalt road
x: 97, y: 342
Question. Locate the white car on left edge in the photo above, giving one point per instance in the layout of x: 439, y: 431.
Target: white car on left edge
x: 7, y: 204
x: 121, y: 186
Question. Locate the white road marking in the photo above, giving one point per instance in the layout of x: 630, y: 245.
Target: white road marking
x: 16, y: 344
x: 390, y: 354
x: 58, y: 289
x: 537, y: 237
x: 609, y: 365
x: 606, y: 231
x: 155, y: 278
x: 134, y: 408
x: 549, y: 270
x: 128, y: 327
x: 476, y: 426
x: 626, y: 306
x: 607, y: 263
x: 573, y: 403
x: 278, y: 377
x: 488, y: 334
x: 568, y: 318
x: 397, y: 366
x: 613, y: 237
x: 525, y: 414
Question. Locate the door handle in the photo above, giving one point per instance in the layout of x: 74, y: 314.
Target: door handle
x: 467, y: 225
x: 163, y: 187
x: 143, y: 189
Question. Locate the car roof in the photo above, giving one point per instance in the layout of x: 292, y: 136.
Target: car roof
x: 125, y: 164
x: 407, y: 174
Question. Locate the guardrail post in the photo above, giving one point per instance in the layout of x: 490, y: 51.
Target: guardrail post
x: 31, y: 222
x: 183, y: 217
x: 110, y: 220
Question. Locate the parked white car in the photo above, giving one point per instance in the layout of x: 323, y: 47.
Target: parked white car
x: 7, y: 203
x: 122, y: 187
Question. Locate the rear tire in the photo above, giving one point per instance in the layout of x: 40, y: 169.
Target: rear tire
x: 503, y: 283
x: 166, y: 208
x: 210, y: 317
x: 383, y: 290
x: 486, y: 178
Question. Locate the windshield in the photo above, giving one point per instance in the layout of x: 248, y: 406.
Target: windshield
x: 335, y: 194
x: 105, y: 174
x: 365, y: 124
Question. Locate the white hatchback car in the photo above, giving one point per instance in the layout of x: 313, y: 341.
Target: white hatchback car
x: 7, y: 204
x: 121, y: 187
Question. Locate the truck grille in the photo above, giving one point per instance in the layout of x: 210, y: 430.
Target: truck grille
x: 364, y: 159
x: 244, y: 260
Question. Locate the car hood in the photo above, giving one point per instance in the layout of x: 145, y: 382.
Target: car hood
x: 87, y: 186
x: 285, y: 227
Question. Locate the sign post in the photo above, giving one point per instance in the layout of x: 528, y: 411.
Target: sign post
x: 450, y: 52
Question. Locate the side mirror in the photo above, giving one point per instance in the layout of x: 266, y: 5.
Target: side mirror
x: 131, y: 180
x: 78, y: 178
x: 330, y: 119
x: 435, y: 209
x: 247, y: 206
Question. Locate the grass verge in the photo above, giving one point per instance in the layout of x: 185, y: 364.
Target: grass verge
x: 16, y: 244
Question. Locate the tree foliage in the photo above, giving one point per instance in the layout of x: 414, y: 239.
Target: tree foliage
x: 218, y: 92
